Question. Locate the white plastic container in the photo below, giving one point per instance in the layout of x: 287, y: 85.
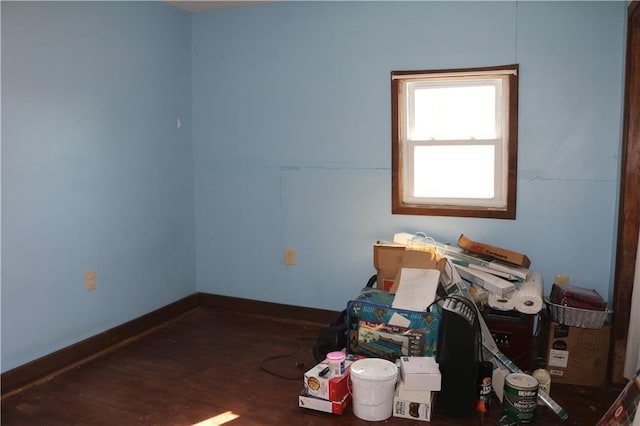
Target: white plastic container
x: 373, y: 384
x: 544, y: 381
x: 336, y: 361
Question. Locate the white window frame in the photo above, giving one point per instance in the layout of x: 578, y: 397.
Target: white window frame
x: 502, y: 202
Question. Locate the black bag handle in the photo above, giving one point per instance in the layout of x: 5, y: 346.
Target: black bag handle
x: 372, y: 281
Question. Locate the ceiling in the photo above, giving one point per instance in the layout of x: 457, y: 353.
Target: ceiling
x: 205, y: 6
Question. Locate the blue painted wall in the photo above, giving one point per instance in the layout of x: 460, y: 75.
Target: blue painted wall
x: 95, y: 172
x: 291, y: 134
x: 285, y: 143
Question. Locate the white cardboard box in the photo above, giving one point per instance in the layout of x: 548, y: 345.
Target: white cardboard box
x: 420, y: 373
x: 411, y: 395
x: 319, y: 404
x: 417, y: 407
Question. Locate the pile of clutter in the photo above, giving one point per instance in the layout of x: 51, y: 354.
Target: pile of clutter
x: 326, y: 385
x: 417, y: 272
x: 377, y: 388
x: 576, y: 306
x: 579, y: 334
x: 498, y: 277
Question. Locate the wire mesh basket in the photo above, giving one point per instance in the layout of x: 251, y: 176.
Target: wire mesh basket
x: 576, y: 317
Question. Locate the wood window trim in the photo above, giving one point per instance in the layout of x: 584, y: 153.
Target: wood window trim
x: 398, y: 206
x: 629, y: 204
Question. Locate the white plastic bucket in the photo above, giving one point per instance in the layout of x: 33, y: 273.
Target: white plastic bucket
x: 373, y: 384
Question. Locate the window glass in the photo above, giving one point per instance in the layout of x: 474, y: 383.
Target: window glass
x: 453, y: 112
x: 472, y: 177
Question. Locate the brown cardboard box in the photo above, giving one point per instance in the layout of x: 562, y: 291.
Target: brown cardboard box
x: 388, y: 259
x: 495, y: 252
x: 578, y: 356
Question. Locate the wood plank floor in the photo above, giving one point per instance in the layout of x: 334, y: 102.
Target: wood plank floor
x: 206, y: 363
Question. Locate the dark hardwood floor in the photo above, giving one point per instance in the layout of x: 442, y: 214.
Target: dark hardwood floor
x: 207, y: 363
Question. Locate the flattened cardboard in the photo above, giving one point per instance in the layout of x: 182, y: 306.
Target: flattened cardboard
x: 625, y: 406
x: 495, y: 252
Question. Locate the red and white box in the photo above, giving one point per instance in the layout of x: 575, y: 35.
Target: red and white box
x: 334, y: 407
x: 326, y: 387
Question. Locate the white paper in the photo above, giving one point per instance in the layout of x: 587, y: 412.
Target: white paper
x: 416, y: 288
x: 558, y: 358
x: 398, y: 320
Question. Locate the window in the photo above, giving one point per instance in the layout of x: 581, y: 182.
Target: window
x: 454, y: 138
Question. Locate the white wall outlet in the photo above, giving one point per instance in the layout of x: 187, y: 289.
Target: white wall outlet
x: 90, y: 282
x: 289, y: 256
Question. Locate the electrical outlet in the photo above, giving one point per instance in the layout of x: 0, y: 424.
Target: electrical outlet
x: 289, y: 256
x: 90, y: 282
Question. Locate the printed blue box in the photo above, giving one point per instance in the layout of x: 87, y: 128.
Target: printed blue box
x: 375, y: 329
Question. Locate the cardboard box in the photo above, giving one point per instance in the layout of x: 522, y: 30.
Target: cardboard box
x: 489, y: 282
x: 495, y: 252
x: 370, y: 317
x: 415, y: 405
x: 420, y: 374
x: 334, y: 407
x: 411, y: 394
x: 379, y: 340
x: 578, y: 356
x: 388, y: 259
x: 326, y: 387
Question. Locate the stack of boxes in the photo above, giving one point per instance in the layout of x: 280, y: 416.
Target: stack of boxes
x: 420, y: 378
x: 578, y: 341
x: 325, y: 391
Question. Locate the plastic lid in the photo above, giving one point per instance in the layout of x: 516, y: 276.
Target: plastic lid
x: 336, y: 356
x: 374, y: 369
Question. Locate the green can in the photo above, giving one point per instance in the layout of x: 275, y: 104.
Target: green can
x: 520, y: 397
